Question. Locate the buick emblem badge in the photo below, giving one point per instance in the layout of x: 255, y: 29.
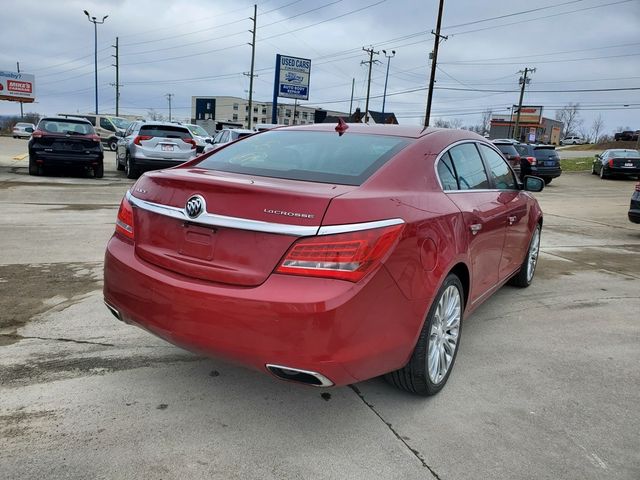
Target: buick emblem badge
x: 195, y: 206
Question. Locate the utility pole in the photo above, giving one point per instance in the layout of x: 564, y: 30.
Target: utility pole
x: 371, y: 61
x: 523, y: 82
x: 295, y: 109
x: 386, y: 78
x: 353, y: 84
x: 95, y: 48
x: 21, y: 110
x: 169, y: 96
x: 434, y: 62
x: 117, y: 84
x: 253, y: 59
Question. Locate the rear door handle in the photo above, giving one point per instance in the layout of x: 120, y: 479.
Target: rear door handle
x: 512, y: 219
x: 475, y: 228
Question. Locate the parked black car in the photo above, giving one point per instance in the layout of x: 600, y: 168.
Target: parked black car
x: 627, y: 135
x: 59, y: 141
x: 511, y: 154
x: 634, y: 209
x: 616, y: 161
x: 539, y: 160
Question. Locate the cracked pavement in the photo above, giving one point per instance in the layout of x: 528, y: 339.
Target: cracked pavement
x: 545, y: 384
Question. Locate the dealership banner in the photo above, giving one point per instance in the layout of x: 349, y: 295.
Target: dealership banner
x: 17, y: 87
x: 292, y: 77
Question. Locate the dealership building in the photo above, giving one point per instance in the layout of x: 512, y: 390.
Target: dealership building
x: 234, y: 111
x: 533, y: 126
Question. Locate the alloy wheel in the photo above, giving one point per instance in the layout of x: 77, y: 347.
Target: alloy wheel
x: 532, y: 256
x: 443, y: 337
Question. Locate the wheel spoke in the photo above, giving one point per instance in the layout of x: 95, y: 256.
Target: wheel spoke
x: 443, y: 336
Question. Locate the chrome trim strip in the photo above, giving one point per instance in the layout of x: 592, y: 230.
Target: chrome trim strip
x: 356, y: 227
x: 324, y: 381
x: 213, y: 220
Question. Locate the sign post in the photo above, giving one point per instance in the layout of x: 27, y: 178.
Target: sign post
x: 291, y: 81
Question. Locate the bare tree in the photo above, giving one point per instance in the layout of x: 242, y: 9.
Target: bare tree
x: 486, y: 121
x: 155, y: 116
x: 456, y: 123
x: 569, y: 115
x: 440, y: 123
x: 596, y: 128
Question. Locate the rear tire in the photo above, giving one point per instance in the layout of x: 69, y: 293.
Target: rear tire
x: 119, y: 166
x: 34, y: 168
x: 113, y: 145
x: 547, y: 180
x: 433, y: 358
x: 98, y: 171
x: 130, y: 167
x: 524, y: 277
x: 603, y: 176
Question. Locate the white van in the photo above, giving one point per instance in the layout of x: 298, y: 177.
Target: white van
x: 108, y: 127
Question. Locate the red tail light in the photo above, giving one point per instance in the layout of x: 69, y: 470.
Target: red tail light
x: 531, y: 160
x: 37, y: 134
x: 345, y: 256
x: 124, y: 223
x: 95, y: 138
x: 611, y: 163
x: 638, y: 187
x: 140, y: 138
x: 191, y: 141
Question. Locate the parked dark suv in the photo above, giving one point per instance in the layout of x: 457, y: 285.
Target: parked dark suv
x: 59, y: 142
x: 539, y: 160
x: 509, y: 151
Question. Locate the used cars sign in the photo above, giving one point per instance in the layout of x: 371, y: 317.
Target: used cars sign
x: 292, y: 76
x: 18, y: 87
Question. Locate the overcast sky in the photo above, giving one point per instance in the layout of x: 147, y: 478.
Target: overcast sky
x: 199, y: 47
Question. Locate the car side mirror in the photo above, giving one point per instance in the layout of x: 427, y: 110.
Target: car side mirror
x: 29, y: 129
x: 597, y: 155
x: 533, y: 184
x: 208, y: 140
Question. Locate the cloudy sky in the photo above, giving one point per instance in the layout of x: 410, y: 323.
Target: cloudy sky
x: 585, y: 51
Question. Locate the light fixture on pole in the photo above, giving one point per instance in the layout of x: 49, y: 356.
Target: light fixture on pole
x: 95, y: 48
x: 386, y: 78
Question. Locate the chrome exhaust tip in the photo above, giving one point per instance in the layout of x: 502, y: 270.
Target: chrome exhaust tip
x: 114, y: 311
x: 306, y: 377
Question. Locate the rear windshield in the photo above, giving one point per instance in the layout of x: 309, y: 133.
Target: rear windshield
x: 624, y: 153
x: 545, y: 152
x: 309, y: 156
x: 237, y: 135
x: 66, y: 126
x: 164, y: 131
x: 507, y: 149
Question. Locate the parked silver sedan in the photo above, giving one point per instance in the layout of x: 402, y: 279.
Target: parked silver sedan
x: 154, y: 145
x: 23, y: 130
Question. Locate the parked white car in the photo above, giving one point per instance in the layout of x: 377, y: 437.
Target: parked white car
x: 23, y: 130
x: 227, y: 135
x: 574, y: 140
x: 200, y: 135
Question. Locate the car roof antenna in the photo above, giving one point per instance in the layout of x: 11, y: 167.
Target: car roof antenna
x: 341, y: 127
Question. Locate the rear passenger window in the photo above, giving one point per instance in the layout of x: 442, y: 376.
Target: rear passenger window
x: 469, y: 168
x: 501, y: 174
x: 447, y: 173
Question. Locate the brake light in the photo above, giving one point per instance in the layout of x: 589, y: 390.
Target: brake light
x: 638, y: 187
x: 345, y: 256
x: 191, y: 141
x: 37, y: 134
x: 140, y: 138
x: 611, y: 163
x: 124, y: 223
x: 95, y: 138
x: 531, y: 160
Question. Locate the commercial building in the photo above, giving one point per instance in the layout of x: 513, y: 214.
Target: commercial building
x: 533, y: 127
x: 207, y: 111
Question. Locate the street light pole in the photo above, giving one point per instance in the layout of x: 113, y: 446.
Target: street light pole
x: 386, y: 78
x: 95, y: 49
x: 169, y: 97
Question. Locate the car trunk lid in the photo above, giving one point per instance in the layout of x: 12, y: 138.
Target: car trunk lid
x: 249, y: 222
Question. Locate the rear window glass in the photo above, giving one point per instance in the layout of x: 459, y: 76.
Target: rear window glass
x: 66, y: 126
x: 544, y: 153
x: 507, y: 149
x: 164, y: 131
x: 309, y: 156
x: 624, y: 153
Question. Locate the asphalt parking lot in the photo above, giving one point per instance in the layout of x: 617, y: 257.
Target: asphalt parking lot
x: 545, y: 386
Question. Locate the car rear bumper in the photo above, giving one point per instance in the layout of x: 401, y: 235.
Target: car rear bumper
x: 157, y: 163
x: 66, y: 158
x: 634, y: 215
x: 344, y: 331
x: 623, y: 171
x: 545, y: 172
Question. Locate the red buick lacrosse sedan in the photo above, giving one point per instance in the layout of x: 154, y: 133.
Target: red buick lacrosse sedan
x: 323, y: 254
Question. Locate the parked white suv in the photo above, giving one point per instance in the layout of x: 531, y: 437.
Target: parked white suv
x: 575, y: 140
